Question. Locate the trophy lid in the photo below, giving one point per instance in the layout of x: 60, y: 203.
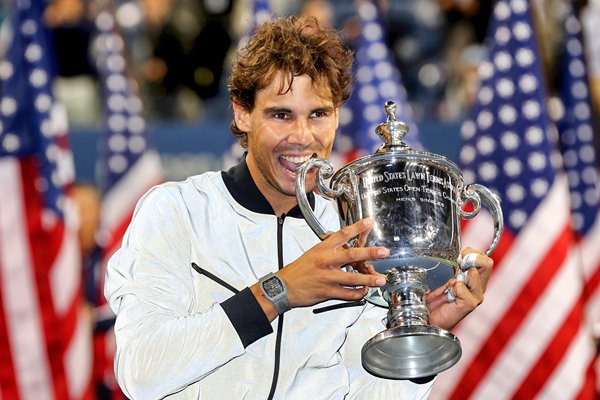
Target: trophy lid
x: 392, y: 131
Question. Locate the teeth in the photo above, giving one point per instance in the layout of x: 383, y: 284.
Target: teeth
x: 297, y: 160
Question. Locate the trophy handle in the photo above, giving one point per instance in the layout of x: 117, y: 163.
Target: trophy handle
x: 474, y: 193
x: 324, y: 171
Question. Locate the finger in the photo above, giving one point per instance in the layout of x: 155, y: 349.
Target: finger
x: 342, y: 236
x: 349, y: 279
x: 356, y: 255
x: 474, y: 282
x: 347, y: 293
x: 471, y: 298
x: 481, y: 261
x: 362, y: 237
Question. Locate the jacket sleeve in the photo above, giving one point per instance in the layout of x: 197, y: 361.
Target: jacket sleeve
x: 161, y: 345
x: 363, y: 385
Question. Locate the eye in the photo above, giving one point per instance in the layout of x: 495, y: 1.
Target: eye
x: 320, y: 114
x: 281, y: 115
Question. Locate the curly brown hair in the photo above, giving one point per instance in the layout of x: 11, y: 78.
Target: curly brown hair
x: 295, y: 46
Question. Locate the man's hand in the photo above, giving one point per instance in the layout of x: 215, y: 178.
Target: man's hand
x: 318, y: 276
x: 469, y: 294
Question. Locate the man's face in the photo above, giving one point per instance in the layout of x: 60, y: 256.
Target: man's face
x: 285, y: 130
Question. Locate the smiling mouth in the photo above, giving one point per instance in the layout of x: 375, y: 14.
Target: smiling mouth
x: 292, y: 163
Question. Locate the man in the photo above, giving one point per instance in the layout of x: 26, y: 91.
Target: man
x: 192, y: 319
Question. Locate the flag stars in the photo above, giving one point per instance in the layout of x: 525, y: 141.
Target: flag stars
x: 47, y: 129
x: 137, y: 144
x: 29, y: 27
x: 503, y: 61
x: 488, y: 171
x: 136, y: 124
x: 116, y: 103
x: 537, y: 161
x: 10, y: 142
x: 515, y: 192
x: 539, y: 187
x: 117, y: 163
x: 486, y: 70
x: 43, y: 103
x: 372, y: 31
x: 116, y: 82
x: 534, y: 135
x: 502, y: 35
x: 486, y: 145
x: 467, y: 154
x: 574, y: 47
x: 372, y: 113
x: 513, y: 167
x: 585, y: 133
x: 38, y: 78
x: 117, y: 123
x: 115, y: 63
x: 364, y: 74
x: 518, y: 6
x: 104, y: 21
x: 33, y: 53
x: 368, y: 93
x: 531, y: 109
x: 502, y: 11
x: 467, y: 130
x: 528, y: 83
x: 485, y: 95
x: 389, y: 90
x: 577, y: 68
x: 517, y: 218
x: 510, y: 140
x: 377, y: 51
x: 522, y: 31
x: 8, y: 106
x: 485, y: 119
x: 579, y: 90
x: 117, y: 143
x: 508, y: 114
x: 582, y: 111
x: 524, y: 57
x: 6, y: 70
x: 505, y: 88
x: 383, y: 70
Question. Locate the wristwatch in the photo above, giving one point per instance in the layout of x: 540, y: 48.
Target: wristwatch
x: 275, y: 291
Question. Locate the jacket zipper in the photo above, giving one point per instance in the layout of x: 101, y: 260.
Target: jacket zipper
x: 280, y: 320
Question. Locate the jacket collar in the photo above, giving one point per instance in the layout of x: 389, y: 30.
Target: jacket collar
x: 240, y: 184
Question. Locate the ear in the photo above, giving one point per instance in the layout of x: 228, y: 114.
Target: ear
x: 241, y: 117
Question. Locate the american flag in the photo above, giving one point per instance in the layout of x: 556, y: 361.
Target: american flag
x: 577, y: 146
x: 259, y: 12
x: 377, y: 80
x: 128, y: 167
x: 44, y: 335
x: 529, y: 339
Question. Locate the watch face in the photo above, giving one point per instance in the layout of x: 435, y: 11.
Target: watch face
x: 272, y: 286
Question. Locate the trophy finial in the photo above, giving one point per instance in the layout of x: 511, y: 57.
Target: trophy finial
x: 391, y: 131
x: 390, y: 110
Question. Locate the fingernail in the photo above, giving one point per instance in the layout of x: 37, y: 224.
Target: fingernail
x: 380, y: 281
x: 383, y: 252
x: 367, y: 221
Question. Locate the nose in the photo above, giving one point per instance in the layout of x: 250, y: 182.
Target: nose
x: 301, y: 133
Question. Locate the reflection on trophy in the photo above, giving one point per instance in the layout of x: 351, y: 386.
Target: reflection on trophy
x: 415, y: 200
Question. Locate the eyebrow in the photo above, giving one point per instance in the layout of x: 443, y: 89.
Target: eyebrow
x: 275, y: 110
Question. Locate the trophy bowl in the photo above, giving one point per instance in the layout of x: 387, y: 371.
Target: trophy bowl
x: 416, y: 201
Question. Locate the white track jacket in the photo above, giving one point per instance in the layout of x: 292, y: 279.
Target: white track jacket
x: 187, y: 326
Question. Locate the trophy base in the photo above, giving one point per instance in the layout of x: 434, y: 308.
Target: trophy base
x: 439, y: 271
x: 409, y: 352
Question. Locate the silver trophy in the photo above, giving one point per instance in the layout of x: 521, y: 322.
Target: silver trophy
x: 415, y: 200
